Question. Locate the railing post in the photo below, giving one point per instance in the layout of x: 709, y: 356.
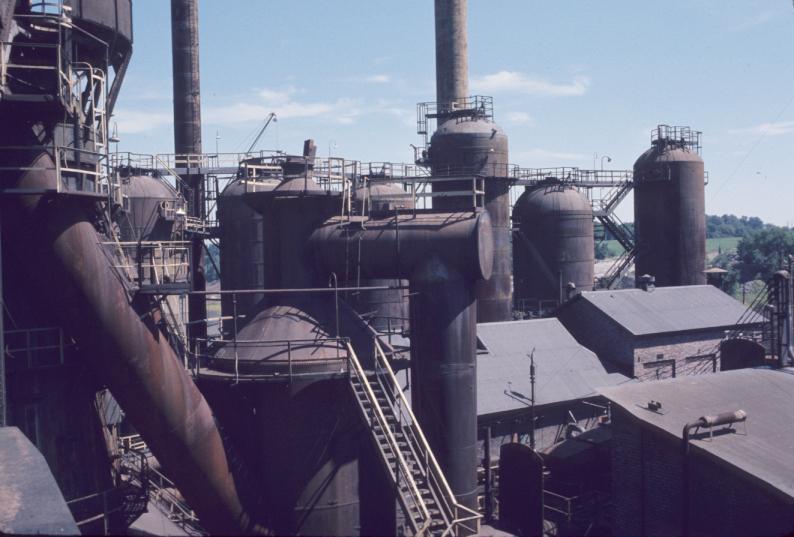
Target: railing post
x: 289, y: 359
x: 234, y: 327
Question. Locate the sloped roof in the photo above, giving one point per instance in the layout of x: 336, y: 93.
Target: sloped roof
x: 564, y: 369
x: 669, y: 309
x: 762, y: 449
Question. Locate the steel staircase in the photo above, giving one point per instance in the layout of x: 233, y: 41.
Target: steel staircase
x: 626, y: 239
x: 429, y: 506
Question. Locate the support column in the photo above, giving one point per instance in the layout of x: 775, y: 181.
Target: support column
x: 444, y: 371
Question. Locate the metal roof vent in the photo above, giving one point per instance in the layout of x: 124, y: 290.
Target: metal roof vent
x: 647, y: 283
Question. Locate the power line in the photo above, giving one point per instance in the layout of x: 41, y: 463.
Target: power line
x: 755, y: 145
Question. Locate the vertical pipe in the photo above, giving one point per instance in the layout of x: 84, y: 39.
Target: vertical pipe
x: 187, y: 141
x: 3, y: 398
x: 452, y: 68
x: 444, y: 371
x: 488, y: 477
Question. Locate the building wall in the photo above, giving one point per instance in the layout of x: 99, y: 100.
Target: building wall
x: 667, y: 355
x: 647, y: 489
x: 591, y: 328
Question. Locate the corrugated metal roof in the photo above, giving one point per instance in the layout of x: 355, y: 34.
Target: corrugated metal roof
x: 668, y: 309
x: 564, y: 369
x: 763, y: 448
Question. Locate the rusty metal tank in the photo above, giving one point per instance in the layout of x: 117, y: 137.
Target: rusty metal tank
x: 478, y: 146
x: 554, y: 244
x: 293, y: 410
x: 151, y: 209
x: 669, y: 208
x: 241, y: 245
x: 302, y: 422
x: 387, y: 310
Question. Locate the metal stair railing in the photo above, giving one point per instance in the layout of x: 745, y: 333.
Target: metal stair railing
x: 454, y: 515
x: 613, y: 198
x: 409, y: 497
x: 626, y: 239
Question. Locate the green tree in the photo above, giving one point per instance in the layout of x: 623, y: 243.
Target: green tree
x: 763, y: 252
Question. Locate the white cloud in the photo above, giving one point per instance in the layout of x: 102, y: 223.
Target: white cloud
x: 521, y: 118
x: 137, y: 121
x: 283, y: 102
x: 778, y: 128
x: 546, y: 157
x: 513, y: 81
x: 378, y: 79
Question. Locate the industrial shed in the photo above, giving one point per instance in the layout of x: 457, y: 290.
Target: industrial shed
x: 656, y: 333
x: 567, y: 376
x: 740, y: 478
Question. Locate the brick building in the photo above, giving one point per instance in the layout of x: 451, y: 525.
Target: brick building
x: 655, y: 333
x: 740, y: 478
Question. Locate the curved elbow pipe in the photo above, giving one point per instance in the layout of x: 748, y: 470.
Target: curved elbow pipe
x: 127, y: 350
x: 398, y: 246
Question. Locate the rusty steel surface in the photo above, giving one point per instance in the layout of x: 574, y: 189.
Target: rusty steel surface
x: 442, y: 256
x: 187, y: 141
x: 242, y: 248
x: 452, y: 51
x: 126, y: 349
x: 387, y: 310
x: 478, y: 146
x: 398, y: 246
x: 556, y: 244
x: 670, y: 215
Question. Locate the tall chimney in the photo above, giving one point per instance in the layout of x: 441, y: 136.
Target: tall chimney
x: 187, y: 93
x: 452, y: 66
x: 187, y: 141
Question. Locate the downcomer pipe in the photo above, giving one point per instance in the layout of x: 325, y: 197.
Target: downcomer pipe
x: 452, y: 64
x: 128, y: 352
x: 442, y: 255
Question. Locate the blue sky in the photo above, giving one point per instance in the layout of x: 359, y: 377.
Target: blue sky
x: 570, y: 79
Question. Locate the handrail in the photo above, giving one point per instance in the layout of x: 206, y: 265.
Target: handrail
x: 420, y: 504
x: 435, y: 469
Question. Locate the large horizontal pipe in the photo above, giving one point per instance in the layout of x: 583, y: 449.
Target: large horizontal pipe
x: 126, y: 348
x: 396, y: 247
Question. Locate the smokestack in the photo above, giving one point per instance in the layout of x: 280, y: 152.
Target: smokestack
x: 187, y: 93
x: 187, y: 141
x: 452, y: 65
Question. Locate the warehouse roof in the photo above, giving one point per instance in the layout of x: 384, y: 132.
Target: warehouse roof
x: 564, y: 369
x: 761, y: 448
x: 668, y: 309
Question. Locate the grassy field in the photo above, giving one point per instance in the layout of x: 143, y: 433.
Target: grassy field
x: 712, y: 245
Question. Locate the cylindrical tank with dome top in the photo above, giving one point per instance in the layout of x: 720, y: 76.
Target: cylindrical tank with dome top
x: 294, y: 417
x: 670, y: 208
x: 241, y: 246
x: 473, y: 145
x: 386, y: 310
x: 151, y: 209
x: 553, y: 246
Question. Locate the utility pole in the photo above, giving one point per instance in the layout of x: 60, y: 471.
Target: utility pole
x: 532, y: 399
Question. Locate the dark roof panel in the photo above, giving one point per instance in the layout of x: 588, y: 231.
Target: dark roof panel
x: 564, y: 369
x: 762, y: 448
x: 668, y: 309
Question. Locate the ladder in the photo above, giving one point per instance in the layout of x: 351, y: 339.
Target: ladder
x: 427, y: 501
